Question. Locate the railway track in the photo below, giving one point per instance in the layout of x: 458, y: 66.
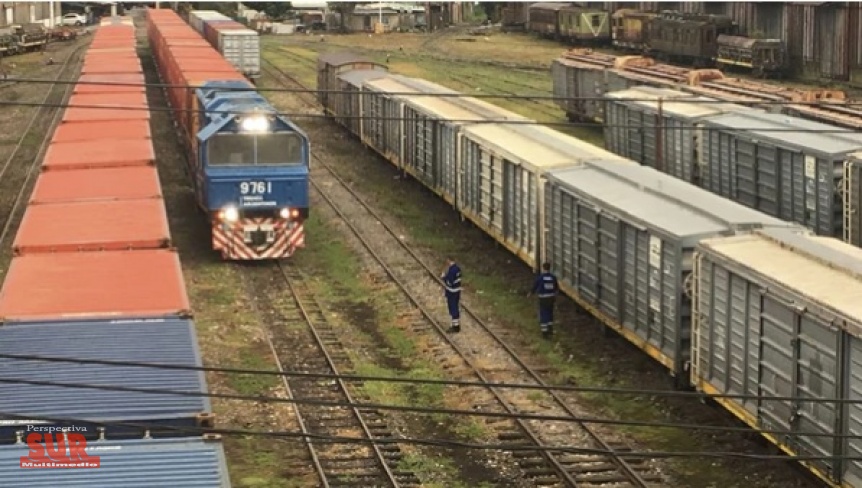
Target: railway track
x: 19, y: 168
x: 336, y: 463
x: 602, y: 463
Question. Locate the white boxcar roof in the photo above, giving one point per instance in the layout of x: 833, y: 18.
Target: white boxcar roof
x: 791, y: 132
x: 658, y: 201
x: 463, y: 108
x: 684, y: 105
x: 537, y: 147
x: 825, y: 271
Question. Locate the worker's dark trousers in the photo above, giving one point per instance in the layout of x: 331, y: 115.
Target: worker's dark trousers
x: 453, y: 300
x: 546, y: 315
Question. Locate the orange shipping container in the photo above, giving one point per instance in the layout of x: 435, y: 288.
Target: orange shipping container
x: 99, y: 106
x: 92, y: 285
x: 111, y: 225
x: 112, y: 129
x: 128, y: 183
x: 104, y: 83
x: 106, y: 153
x: 122, y: 65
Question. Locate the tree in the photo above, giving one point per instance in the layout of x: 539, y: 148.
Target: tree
x: 344, y: 8
x: 273, y: 10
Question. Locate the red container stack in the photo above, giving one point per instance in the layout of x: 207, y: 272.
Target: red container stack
x: 94, y: 240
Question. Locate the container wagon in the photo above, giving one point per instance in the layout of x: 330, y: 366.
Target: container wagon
x: 94, y: 241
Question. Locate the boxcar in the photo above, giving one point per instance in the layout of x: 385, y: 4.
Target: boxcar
x: 688, y: 37
x: 778, y: 315
x: 784, y: 166
x: 329, y: 66
x: 661, y: 128
x: 621, y: 239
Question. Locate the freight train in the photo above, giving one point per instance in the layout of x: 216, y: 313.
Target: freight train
x: 699, y: 39
x: 248, y: 164
x: 783, y: 164
x: 728, y: 299
x: 93, y: 280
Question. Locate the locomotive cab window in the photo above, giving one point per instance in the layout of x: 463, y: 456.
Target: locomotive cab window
x: 278, y: 149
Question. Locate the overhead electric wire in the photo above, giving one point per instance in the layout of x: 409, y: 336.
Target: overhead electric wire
x: 406, y: 440
x: 304, y: 115
x: 417, y: 409
x: 688, y: 98
x: 427, y: 381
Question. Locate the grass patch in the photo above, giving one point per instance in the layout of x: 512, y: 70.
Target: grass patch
x: 325, y: 250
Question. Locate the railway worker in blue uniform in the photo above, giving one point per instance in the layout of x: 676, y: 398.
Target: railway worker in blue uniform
x: 452, y: 284
x: 546, y: 287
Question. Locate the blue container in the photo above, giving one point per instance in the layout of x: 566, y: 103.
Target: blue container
x: 167, y: 341
x: 141, y: 463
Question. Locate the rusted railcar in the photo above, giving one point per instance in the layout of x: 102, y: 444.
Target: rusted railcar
x: 763, y: 57
x: 545, y: 19
x: 688, y: 37
x: 630, y: 29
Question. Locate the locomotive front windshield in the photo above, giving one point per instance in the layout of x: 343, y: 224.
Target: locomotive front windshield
x: 276, y: 149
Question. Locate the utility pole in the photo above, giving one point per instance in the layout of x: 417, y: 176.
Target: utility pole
x: 51, y: 14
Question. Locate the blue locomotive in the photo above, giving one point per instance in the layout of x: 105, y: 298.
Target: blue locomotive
x: 250, y: 173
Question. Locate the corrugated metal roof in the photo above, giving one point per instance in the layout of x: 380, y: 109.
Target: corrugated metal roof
x: 153, y: 341
x: 828, y: 274
x: 684, y: 105
x: 792, y: 132
x: 659, y: 201
x: 148, y: 463
x: 537, y: 147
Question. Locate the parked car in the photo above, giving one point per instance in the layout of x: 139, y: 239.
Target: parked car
x: 74, y: 19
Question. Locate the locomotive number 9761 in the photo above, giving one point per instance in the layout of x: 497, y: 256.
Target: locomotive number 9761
x: 255, y: 187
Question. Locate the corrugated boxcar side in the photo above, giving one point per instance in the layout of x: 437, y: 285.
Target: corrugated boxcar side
x: 562, y: 97
x: 502, y: 166
x: 851, y: 191
x: 147, y: 463
x: 774, y: 319
x: 776, y: 164
x: 621, y: 237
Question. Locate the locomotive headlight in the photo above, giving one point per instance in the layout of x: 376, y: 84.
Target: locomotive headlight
x: 229, y: 214
x: 284, y: 213
x: 254, y: 124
